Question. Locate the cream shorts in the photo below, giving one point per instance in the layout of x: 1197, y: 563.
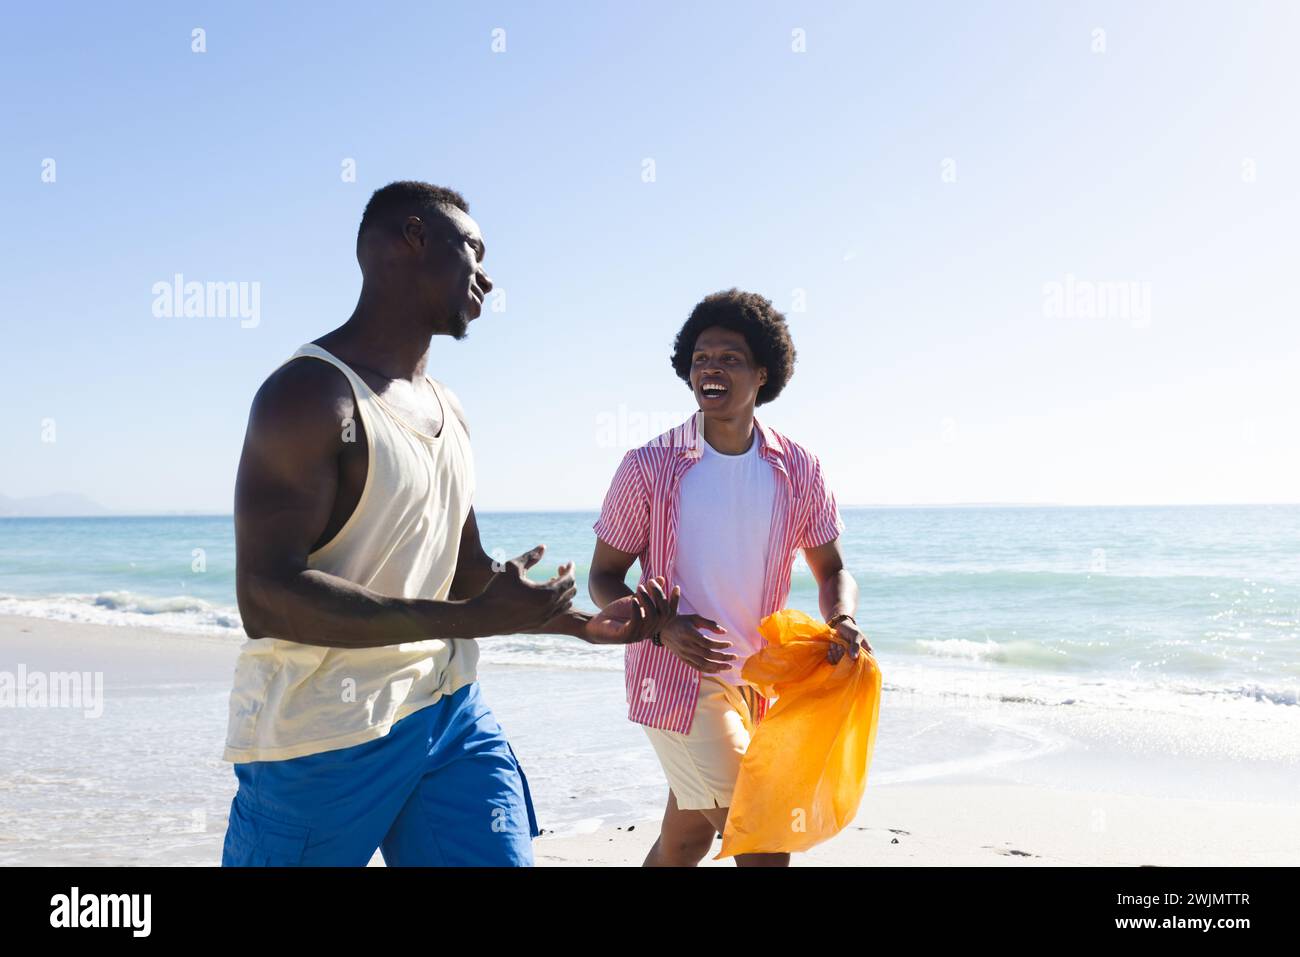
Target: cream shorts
x: 702, y: 766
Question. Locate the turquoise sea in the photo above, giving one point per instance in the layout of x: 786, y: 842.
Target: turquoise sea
x: 1148, y: 650
x: 1181, y: 600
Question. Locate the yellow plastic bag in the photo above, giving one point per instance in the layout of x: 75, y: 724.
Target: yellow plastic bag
x: 804, y: 772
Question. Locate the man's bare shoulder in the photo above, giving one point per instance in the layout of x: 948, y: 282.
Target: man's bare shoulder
x: 303, y: 395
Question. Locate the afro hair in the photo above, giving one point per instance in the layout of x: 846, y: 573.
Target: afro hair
x: 754, y: 317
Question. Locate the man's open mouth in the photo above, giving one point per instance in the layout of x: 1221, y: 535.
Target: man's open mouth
x: 713, y: 391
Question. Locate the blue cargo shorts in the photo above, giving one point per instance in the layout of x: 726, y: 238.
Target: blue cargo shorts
x: 442, y: 788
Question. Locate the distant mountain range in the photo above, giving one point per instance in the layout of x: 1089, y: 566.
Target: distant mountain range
x: 58, y: 503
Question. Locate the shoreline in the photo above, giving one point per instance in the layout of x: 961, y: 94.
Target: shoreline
x: 948, y: 824
x: 144, y: 783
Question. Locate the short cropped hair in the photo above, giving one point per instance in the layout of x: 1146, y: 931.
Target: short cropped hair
x: 755, y: 318
x: 407, y: 197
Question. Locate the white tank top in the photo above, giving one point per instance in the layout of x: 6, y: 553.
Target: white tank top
x: 291, y: 699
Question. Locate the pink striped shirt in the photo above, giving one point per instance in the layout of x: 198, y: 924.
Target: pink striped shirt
x: 640, y: 516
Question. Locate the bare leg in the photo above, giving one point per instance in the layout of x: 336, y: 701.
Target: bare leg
x: 718, y: 819
x: 685, y: 837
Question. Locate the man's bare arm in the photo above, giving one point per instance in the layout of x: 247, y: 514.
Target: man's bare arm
x: 837, y: 594
x: 622, y: 621
x: 609, y: 568
x: 473, y: 565
x: 678, y: 633
x: 284, y: 495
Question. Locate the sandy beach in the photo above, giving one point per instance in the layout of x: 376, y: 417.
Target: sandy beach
x: 142, y: 781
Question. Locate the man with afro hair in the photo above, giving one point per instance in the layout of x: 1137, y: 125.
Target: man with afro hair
x: 716, y: 509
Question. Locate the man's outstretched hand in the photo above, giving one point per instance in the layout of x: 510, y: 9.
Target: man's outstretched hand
x: 631, y: 618
x: 684, y: 636
x: 511, y: 603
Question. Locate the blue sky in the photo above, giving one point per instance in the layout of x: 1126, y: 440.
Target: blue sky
x: 906, y: 189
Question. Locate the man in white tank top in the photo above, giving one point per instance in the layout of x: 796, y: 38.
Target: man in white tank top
x: 356, y: 720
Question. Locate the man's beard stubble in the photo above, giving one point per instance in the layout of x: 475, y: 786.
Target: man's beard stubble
x: 458, y: 325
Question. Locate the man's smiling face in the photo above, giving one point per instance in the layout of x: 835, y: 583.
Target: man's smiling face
x: 457, y: 267
x: 724, y: 378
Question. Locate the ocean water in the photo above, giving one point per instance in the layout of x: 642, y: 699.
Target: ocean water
x: 1201, y: 601
x: 1167, y: 638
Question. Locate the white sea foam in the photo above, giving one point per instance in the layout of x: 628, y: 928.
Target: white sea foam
x: 184, y: 614
x: 977, y: 672
x: 987, y: 650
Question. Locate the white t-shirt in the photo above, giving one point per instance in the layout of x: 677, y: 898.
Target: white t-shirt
x: 722, y: 544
